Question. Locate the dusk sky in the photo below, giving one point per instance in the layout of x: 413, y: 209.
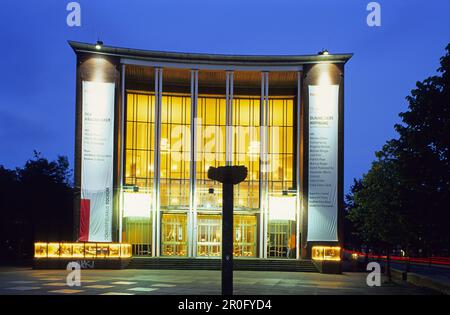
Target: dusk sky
x: 37, y: 90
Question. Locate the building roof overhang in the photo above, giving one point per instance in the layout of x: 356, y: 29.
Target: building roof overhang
x: 138, y: 56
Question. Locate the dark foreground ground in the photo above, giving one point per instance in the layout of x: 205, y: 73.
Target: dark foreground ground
x: 126, y: 282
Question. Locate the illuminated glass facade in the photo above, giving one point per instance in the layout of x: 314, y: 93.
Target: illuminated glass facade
x: 175, y: 182
x: 178, y: 115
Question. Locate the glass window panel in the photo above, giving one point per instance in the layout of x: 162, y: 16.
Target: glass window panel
x: 139, y: 159
x: 142, y: 136
x: 139, y: 139
x: 210, y: 149
x: 281, y: 234
x: 142, y: 108
x: 130, y: 107
x: 129, y: 135
x: 175, y: 139
x: 130, y: 167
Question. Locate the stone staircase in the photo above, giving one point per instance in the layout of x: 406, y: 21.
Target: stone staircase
x: 247, y: 264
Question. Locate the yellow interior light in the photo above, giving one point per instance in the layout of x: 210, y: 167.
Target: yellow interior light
x: 82, y: 250
x: 53, y: 250
x: 282, y: 207
x: 330, y: 253
x: 136, y: 205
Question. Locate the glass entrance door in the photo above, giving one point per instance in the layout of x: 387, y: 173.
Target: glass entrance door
x: 209, y: 235
x: 244, y: 236
x: 174, y: 236
x: 138, y: 233
x: 281, y: 239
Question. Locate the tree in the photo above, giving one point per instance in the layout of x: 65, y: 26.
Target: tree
x: 423, y: 158
x: 47, y: 195
x: 352, y: 239
x: 377, y: 212
x: 9, y: 212
x: 36, y: 205
x: 403, y: 199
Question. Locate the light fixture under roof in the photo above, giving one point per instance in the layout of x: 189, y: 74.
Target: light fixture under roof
x: 99, y: 45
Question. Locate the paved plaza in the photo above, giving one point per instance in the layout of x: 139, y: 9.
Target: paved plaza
x: 190, y: 282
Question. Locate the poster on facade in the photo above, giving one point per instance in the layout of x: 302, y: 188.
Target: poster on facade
x: 97, y: 162
x: 323, y: 163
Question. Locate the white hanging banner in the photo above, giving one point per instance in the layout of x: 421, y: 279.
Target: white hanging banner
x: 97, y: 162
x: 323, y: 162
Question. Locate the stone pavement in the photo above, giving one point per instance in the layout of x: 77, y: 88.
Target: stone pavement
x: 190, y: 282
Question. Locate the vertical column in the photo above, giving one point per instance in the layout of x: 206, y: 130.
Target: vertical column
x: 192, y: 221
x: 229, y: 117
x: 156, y: 187
x: 266, y: 158
x: 326, y: 76
x: 263, y: 176
x: 122, y: 152
x: 298, y: 161
x: 77, y: 152
x: 261, y: 172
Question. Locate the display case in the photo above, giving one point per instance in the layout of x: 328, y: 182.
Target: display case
x: 82, y: 250
x: 327, y: 253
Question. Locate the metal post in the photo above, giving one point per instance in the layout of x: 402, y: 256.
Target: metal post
x: 156, y: 224
x: 192, y: 203
x: 197, y: 142
x: 155, y: 168
x: 261, y: 172
x: 227, y: 239
x: 229, y: 118
x: 158, y: 199
x: 266, y: 159
x: 228, y: 176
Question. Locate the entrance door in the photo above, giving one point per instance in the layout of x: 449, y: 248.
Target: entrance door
x: 209, y: 235
x: 244, y: 236
x: 174, y: 236
x: 281, y: 239
x: 138, y: 233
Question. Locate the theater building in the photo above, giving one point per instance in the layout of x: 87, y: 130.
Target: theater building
x: 149, y: 124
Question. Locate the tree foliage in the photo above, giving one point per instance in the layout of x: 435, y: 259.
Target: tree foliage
x: 404, y: 198
x: 36, y: 203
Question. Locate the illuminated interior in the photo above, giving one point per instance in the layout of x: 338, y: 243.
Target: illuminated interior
x: 245, y: 236
x: 139, y: 143
x: 332, y: 253
x: 82, y: 250
x: 210, y: 235
x: 280, y: 177
x: 210, y: 151
x: 246, y: 149
x: 174, y: 234
x: 139, y: 172
x: 136, y: 205
x: 175, y: 151
x: 183, y: 212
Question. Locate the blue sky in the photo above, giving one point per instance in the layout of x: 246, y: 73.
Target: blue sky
x: 37, y: 90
